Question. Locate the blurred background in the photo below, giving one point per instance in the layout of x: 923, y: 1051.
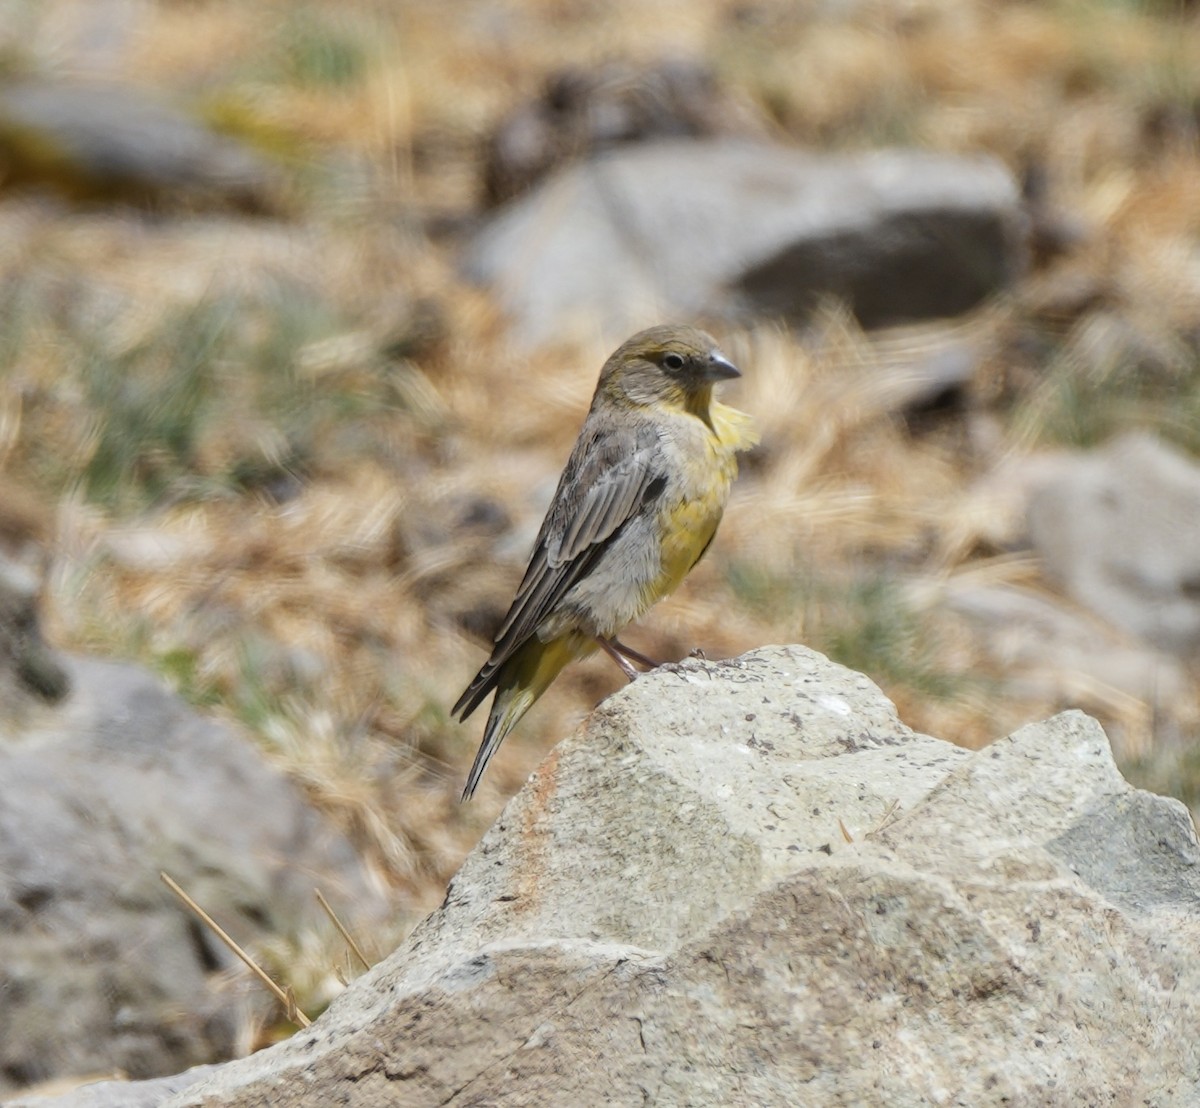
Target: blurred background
x: 301, y: 306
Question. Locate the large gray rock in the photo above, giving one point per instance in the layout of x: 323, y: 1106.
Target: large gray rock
x: 1119, y: 530
x: 101, y: 969
x: 676, y: 229
x: 748, y: 883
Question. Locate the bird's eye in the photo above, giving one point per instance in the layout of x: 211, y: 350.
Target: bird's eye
x: 673, y: 361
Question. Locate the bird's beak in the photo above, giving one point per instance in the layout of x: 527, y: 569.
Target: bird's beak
x: 720, y: 368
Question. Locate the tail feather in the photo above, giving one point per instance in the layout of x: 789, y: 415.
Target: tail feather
x: 502, y: 720
x: 518, y: 683
x: 476, y: 692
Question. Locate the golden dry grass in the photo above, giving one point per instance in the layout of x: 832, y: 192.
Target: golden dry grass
x: 330, y: 624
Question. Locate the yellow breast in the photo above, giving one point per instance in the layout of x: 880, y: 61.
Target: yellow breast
x: 689, y: 519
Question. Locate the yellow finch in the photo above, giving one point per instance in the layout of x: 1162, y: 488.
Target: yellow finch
x: 635, y: 509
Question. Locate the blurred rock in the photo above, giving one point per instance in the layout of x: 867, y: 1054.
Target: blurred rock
x: 103, y: 143
x: 1051, y: 652
x: 748, y: 883
x: 580, y: 111
x: 924, y: 372
x: 101, y: 969
x: 992, y: 516
x: 686, y: 228
x: 30, y: 673
x: 1054, y: 229
x: 97, y: 1092
x: 1119, y: 530
x: 938, y: 385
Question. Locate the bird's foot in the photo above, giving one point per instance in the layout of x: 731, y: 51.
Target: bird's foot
x: 635, y: 656
x: 697, y: 653
x: 625, y: 656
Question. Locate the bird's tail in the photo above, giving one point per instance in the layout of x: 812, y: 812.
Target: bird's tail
x: 521, y: 680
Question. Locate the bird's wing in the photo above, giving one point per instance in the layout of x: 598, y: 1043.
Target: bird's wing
x: 607, y: 481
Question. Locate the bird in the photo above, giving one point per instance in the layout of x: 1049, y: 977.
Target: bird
x: 636, y: 507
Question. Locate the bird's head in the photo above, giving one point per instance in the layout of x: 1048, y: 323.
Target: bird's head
x: 668, y: 364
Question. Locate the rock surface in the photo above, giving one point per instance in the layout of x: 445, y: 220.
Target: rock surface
x: 748, y: 883
x: 681, y: 228
x: 101, y: 969
x: 1119, y: 530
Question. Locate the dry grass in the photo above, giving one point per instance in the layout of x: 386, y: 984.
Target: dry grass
x: 312, y: 522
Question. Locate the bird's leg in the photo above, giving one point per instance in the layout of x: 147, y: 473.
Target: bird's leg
x: 641, y: 659
x: 609, y: 648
